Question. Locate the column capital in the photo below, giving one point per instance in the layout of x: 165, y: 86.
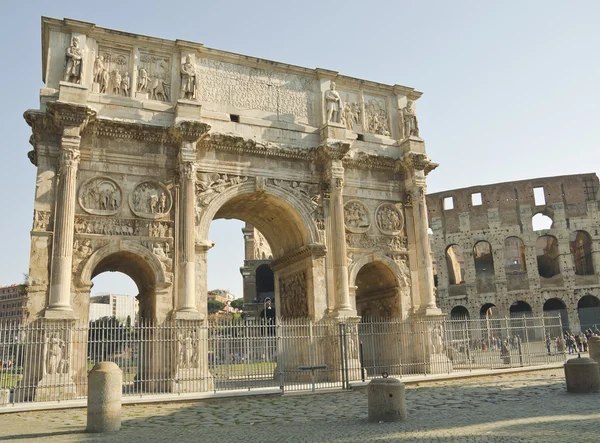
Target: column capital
x: 415, y: 163
x: 71, y: 119
x: 188, y: 131
x: 326, y: 154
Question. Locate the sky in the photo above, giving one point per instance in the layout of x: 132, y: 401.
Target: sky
x: 510, y: 87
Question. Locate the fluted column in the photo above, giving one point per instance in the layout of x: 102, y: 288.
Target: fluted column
x: 414, y: 165
x: 187, y: 134
x: 333, y: 176
x: 71, y: 119
x: 187, y: 175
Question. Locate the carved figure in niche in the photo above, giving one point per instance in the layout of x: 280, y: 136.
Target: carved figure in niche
x: 162, y: 207
x: 74, y: 68
x: 437, y: 339
x: 54, y: 361
x: 98, y: 69
x: 409, y: 121
x: 116, y: 83
x: 389, y: 220
x: 158, y: 250
x: 356, y: 216
x: 41, y: 220
x: 189, y: 79
x: 153, y: 201
x: 125, y: 83
x: 333, y: 104
x: 142, y: 79
x: 352, y: 348
x: 187, y: 350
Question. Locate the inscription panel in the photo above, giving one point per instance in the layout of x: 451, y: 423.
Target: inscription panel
x: 256, y: 89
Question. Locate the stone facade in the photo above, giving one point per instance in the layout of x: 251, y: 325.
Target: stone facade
x: 141, y: 142
x: 488, y: 254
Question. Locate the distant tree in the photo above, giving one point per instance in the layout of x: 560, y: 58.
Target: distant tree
x: 107, y: 337
x: 238, y: 303
x: 215, y: 306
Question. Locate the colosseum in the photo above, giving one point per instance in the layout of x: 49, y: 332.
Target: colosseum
x: 528, y: 247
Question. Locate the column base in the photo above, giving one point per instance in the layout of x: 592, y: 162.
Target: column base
x: 187, y: 315
x: 59, y: 314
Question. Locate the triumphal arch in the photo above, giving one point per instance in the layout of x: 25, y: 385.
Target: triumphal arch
x: 140, y: 143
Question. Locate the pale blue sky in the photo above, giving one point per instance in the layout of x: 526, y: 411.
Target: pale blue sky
x: 510, y: 87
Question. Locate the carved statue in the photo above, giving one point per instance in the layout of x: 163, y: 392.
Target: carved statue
x: 437, y: 339
x: 54, y: 359
x: 104, y: 81
x: 116, y: 83
x: 187, y: 345
x: 333, y: 104
x: 189, y: 80
x: 142, y: 80
x: 125, y: 83
x: 409, y: 121
x: 74, y: 68
x: 98, y: 69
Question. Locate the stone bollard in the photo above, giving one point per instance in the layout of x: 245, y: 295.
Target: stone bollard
x: 582, y: 375
x: 4, y: 397
x: 386, y: 399
x: 104, y: 398
x: 594, y: 347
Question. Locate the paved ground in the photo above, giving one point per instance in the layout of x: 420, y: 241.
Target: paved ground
x: 525, y: 407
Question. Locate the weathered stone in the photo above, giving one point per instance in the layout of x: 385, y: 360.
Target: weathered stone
x: 386, y: 400
x: 104, y: 398
x: 582, y: 375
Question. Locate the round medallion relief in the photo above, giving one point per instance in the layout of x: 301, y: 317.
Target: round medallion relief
x: 100, y: 196
x: 150, y: 199
x: 357, y: 218
x: 389, y: 219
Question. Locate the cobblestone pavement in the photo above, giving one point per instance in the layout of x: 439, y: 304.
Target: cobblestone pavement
x: 521, y: 407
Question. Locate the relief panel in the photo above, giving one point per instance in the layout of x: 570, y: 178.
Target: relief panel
x: 150, y: 199
x: 100, y: 196
x: 111, y: 71
x: 389, y: 219
x: 376, y: 116
x: 351, y: 112
x: 154, y: 76
x: 357, y: 217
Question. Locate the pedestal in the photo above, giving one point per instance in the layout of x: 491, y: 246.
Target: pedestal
x: 190, y: 357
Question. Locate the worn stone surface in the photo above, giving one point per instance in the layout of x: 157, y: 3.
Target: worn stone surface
x: 582, y: 375
x: 527, y: 407
x: 386, y: 400
x: 488, y: 254
x: 104, y: 398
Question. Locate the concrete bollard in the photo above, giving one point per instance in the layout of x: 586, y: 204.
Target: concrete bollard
x: 594, y: 347
x: 104, y: 398
x: 4, y: 397
x: 386, y: 399
x: 582, y: 375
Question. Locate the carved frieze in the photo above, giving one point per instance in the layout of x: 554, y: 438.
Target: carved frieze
x: 111, y: 71
x: 294, y: 302
x: 83, y: 248
x: 162, y: 251
x: 301, y: 190
x: 251, y: 88
x: 376, y: 116
x: 100, y: 196
x: 187, y: 349
x: 56, y: 352
x: 42, y: 220
x: 122, y: 226
x: 357, y: 217
x: 150, y: 199
x: 364, y: 241
x: 154, y: 76
x: 209, y: 185
x: 389, y: 219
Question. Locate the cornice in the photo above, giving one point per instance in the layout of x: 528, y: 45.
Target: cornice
x: 223, y: 142
x: 189, y: 131
x: 70, y: 114
x: 334, y: 151
x: 313, y: 250
x: 131, y: 131
x: 369, y: 161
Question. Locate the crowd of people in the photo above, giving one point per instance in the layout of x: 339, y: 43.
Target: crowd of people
x: 577, y: 342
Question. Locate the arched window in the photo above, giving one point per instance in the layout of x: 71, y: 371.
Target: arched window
x: 581, y: 248
x: 588, y: 310
x: 541, y: 222
x: 459, y: 313
x: 514, y: 256
x: 489, y: 310
x: 556, y: 307
x: 455, y: 262
x: 484, y: 266
x: 520, y: 308
x: 546, y: 248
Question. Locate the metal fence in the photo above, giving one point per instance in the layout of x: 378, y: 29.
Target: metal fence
x: 50, y: 360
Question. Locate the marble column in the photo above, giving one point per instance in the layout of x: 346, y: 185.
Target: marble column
x: 187, y: 177
x: 414, y: 170
x: 71, y: 119
x: 187, y: 134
